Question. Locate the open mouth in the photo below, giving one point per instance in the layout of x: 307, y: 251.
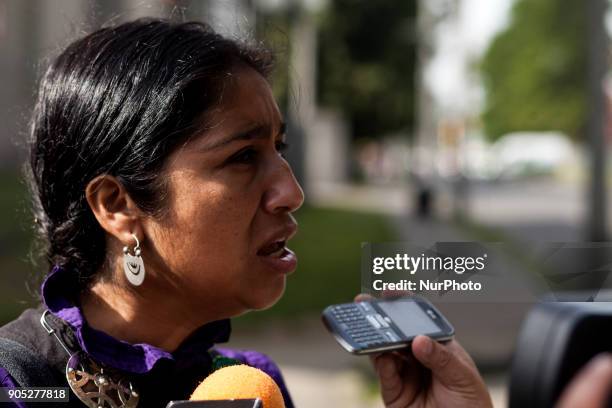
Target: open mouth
x: 276, y: 249
x: 274, y: 252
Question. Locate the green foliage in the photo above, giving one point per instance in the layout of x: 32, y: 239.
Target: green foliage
x: 367, y: 59
x: 16, y: 272
x: 536, y: 70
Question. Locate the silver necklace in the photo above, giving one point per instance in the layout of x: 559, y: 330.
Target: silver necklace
x: 94, y: 385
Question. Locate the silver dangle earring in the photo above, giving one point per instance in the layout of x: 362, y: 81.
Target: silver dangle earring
x: 132, y: 264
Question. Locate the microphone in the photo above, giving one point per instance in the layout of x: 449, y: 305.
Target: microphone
x: 251, y: 403
x: 235, y: 386
x: 240, y: 382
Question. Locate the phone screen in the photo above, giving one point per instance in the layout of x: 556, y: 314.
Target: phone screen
x: 409, y: 318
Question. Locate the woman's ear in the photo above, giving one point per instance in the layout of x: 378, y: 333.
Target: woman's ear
x: 114, y: 208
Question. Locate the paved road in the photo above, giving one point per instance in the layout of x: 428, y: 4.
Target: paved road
x: 539, y: 210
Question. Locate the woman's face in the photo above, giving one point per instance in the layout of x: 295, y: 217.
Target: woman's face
x: 231, y: 193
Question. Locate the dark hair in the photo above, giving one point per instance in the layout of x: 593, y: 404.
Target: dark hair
x: 118, y: 102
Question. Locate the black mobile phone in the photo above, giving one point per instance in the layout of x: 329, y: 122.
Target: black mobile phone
x: 385, y: 324
x: 250, y: 403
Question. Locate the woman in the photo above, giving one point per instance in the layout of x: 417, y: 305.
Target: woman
x: 165, y: 204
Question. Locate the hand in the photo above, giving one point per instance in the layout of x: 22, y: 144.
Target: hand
x: 435, y: 375
x: 590, y: 388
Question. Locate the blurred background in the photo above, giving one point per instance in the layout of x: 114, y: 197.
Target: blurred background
x: 423, y: 120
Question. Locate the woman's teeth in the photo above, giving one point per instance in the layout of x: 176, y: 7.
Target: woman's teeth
x: 278, y: 252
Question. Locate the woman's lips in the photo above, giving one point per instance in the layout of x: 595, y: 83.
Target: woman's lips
x: 275, y: 253
x: 282, y: 260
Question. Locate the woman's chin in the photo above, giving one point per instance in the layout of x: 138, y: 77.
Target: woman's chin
x: 268, y: 296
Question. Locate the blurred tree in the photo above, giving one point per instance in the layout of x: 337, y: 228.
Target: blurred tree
x: 366, y: 67
x: 535, y: 71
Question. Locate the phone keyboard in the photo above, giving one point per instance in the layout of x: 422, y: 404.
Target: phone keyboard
x: 358, y: 325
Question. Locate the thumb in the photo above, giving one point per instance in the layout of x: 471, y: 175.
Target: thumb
x: 446, y: 362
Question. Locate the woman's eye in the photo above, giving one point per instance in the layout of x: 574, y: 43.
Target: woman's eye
x: 244, y: 156
x: 249, y: 154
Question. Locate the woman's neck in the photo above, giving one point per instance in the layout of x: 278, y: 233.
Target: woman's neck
x: 139, y: 317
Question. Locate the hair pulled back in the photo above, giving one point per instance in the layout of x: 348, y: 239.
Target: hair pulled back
x: 118, y: 102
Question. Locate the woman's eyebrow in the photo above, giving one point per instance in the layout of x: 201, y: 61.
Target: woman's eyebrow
x: 257, y: 132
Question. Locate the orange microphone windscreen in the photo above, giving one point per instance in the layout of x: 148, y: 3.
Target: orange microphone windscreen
x: 240, y: 382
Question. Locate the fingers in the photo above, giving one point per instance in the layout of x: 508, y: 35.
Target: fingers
x: 399, y: 378
x: 390, y: 381
x: 446, y: 362
x: 590, y: 388
x: 363, y: 297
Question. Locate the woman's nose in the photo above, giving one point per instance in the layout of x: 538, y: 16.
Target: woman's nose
x: 284, y: 193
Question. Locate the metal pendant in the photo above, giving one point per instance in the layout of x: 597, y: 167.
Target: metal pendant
x: 97, y: 387
x: 134, y: 269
